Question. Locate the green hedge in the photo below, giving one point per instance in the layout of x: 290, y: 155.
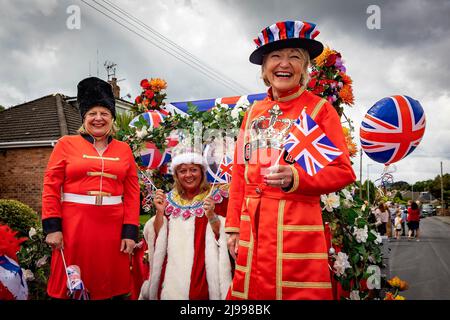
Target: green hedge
x: 18, y: 216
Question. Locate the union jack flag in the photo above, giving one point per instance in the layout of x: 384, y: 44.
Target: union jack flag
x: 392, y: 129
x: 309, y: 145
x: 225, y: 168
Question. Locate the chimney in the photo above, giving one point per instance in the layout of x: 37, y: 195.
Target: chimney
x: 115, y: 87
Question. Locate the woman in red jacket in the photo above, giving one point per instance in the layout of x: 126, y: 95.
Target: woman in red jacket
x: 274, y: 217
x: 413, y: 221
x: 90, y: 202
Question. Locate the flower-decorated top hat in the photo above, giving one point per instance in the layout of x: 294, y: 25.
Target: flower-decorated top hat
x: 94, y: 91
x: 287, y: 34
x: 187, y: 153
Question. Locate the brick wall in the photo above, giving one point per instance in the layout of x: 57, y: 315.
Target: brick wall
x: 22, y: 174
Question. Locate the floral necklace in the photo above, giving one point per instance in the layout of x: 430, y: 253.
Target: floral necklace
x: 179, y: 207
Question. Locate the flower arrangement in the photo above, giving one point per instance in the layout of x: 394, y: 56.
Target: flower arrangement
x: 396, y: 285
x: 152, y: 95
x: 355, y: 252
x: 329, y: 80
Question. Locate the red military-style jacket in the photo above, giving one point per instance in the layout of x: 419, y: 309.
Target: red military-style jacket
x: 282, y: 250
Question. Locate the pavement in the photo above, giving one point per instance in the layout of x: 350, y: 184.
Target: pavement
x: 424, y: 264
x: 445, y: 219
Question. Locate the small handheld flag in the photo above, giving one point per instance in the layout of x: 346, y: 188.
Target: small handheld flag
x: 309, y: 145
x: 76, y: 288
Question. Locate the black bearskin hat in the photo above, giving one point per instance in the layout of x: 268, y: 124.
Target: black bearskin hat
x: 95, y: 92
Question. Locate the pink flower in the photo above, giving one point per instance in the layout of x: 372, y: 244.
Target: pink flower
x: 199, y: 212
x: 169, y: 209
x: 176, y: 212
x: 217, y: 198
x: 186, y: 214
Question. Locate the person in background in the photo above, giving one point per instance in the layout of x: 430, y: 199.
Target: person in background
x: 398, y: 225
x: 382, y: 215
x: 90, y: 201
x: 392, y: 208
x: 413, y: 221
x: 404, y: 219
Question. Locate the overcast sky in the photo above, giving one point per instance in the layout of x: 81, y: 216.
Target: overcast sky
x: 408, y: 55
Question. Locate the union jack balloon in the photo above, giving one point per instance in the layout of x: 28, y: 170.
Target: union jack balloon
x: 150, y: 156
x: 392, y: 129
x: 152, y: 117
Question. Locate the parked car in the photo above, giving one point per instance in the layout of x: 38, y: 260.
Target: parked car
x: 428, y: 210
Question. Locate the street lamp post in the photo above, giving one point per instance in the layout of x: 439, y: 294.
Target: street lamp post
x: 368, y: 185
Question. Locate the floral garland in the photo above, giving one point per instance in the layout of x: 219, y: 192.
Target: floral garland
x: 329, y: 80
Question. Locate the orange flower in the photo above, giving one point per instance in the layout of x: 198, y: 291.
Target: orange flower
x: 158, y: 84
x: 404, y: 285
x: 345, y: 78
x: 320, y: 60
x: 351, y: 146
x: 346, y: 94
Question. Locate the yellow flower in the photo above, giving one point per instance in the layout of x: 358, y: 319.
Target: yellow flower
x: 399, y: 297
x: 158, y: 84
x: 320, y: 60
x: 395, y: 282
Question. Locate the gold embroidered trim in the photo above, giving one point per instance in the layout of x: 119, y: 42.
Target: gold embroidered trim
x: 317, y: 108
x: 98, y: 193
x: 279, y: 278
x: 85, y: 156
x: 249, y: 266
x: 305, y: 256
x: 245, y: 217
x: 288, y: 227
x: 296, y: 179
x: 106, y: 175
x: 231, y: 230
x: 244, y: 295
x: 307, y: 285
x: 244, y: 243
x: 241, y: 268
x: 292, y: 96
x: 238, y: 294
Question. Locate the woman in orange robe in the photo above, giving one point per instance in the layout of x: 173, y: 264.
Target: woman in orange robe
x: 90, y: 202
x: 274, y: 217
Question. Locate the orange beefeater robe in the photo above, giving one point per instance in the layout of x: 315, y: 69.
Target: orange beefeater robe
x: 91, y: 233
x: 282, y: 248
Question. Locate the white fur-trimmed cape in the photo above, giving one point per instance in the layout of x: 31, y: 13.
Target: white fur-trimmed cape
x: 179, y: 248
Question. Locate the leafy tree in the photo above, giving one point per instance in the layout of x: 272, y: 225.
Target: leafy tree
x: 400, y: 185
x: 2, y: 108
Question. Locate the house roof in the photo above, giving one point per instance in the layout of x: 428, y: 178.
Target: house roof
x: 44, y: 119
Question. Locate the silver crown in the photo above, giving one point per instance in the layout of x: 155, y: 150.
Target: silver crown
x: 270, y: 131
